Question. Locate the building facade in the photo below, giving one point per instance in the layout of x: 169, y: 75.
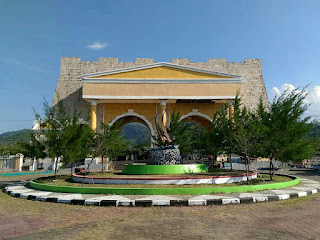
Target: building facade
x: 147, y: 92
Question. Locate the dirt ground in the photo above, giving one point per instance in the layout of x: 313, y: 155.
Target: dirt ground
x: 289, y: 219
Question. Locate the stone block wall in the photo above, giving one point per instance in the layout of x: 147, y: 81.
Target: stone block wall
x: 69, y: 87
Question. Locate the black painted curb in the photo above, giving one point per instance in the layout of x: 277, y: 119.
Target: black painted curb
x: 179, y: 203
x: 173, y: 202
x: 143, y: 203
x: 108, y: 203
x: 246, y: 200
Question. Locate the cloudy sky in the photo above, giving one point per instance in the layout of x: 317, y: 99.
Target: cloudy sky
x: 36, y: 33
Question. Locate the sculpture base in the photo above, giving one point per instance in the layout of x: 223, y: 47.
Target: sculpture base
x: 165, y: 156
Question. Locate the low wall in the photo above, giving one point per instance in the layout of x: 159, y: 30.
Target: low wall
x: 164, y: 180
x: 164, y: 191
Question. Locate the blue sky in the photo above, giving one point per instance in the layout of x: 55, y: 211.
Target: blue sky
x: 36, y: 33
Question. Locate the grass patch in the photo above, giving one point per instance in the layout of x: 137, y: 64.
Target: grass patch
x: 67, y: 181
x: 294, y: 202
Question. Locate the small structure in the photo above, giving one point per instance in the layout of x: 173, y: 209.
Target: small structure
x: 165, y: 156
x: 11, y: 163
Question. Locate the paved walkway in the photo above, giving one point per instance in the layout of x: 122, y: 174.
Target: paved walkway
x: 306, y: 187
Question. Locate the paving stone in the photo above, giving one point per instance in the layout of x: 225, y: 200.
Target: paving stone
x: 97, y: 200
x: 181, y: 202
x: 108, y: 202
x: 69, y: 197
x: 283, y: 196
x: 246, y: 200
x: 230, y: 200
x: 35, y: 193
x: 143, y: 203
x: 163, y: 202
x: 197, y: 202
x: 255, y: 197
x: 214, y: 201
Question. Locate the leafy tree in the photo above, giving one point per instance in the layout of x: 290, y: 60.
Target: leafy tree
x: 217, y: 140
x: 196, y: 131
x: 248, y: 133
x: 76, y: 140
x: 137, y: 149
x: 287, y: 129
x: 63, y: 135
x: 4, y: 152
x: 107, y: 142
x: 179, y: 133
x: 34, y: 148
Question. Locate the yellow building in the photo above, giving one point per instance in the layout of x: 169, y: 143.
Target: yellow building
x: 148, y: 92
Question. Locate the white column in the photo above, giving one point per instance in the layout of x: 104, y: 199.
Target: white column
x: 20, y: 162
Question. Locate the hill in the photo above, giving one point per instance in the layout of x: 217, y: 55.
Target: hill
x: 315, y: 132
x: 9, y: 138
x: 136, y: 133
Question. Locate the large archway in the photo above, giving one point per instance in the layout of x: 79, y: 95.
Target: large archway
x: 197, y: 118
x: 135, y: 128
x: 131, y: 117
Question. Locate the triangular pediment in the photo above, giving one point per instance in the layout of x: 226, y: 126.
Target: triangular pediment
x: 160, y: 71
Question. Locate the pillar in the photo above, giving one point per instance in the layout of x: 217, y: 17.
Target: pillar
x: 230, y: 109
x: 163, y: 112
x: 20, y: 161
x: 93, y: 123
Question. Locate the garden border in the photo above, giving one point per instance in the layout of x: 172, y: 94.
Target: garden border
x: 165, y: 191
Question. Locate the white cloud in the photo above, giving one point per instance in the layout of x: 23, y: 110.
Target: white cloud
x: 312, y: 98
x: 98, y: 45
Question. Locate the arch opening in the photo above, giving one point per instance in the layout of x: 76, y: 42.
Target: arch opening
x: 135, y: 128
x: 136, y: 132
x: 203, y: 122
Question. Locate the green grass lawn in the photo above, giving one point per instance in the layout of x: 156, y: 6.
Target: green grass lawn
x: 67, y: 181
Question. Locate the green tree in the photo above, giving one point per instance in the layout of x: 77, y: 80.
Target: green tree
x: 33, y: 149
x: 248, y: 133
x: 63, y: 135
x: 4, y: 152
x: 217, y: 140
x: 77, y: 138
x: 287, y: 129
x: 107, y: 142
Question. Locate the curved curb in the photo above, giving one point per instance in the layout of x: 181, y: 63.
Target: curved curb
x: 22, y: 191
x: 164, y: 191
x: 163, y: 180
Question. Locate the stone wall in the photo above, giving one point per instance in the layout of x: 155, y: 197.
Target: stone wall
x: 69, y: 87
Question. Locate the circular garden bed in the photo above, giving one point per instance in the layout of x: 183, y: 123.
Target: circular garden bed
x: 65, y: 184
